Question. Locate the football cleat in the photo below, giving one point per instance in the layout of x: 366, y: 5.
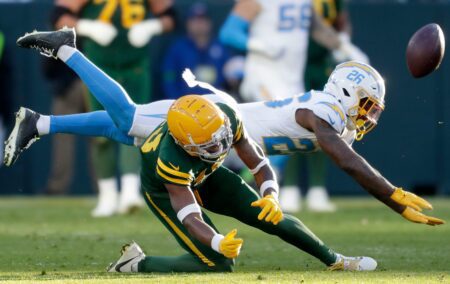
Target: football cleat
x: 359, y: 263
x: 22, y: 136
x: 131, y: 254
x: 48, y: 43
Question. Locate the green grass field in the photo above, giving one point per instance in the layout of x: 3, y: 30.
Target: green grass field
x: 55, y: 240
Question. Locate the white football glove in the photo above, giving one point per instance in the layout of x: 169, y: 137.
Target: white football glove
x: 267, y: 49
x: 349, y: 51
x: 141, y: 33
x: 100, y: 32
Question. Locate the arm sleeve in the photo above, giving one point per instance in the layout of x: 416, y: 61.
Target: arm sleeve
x: 234, y: 32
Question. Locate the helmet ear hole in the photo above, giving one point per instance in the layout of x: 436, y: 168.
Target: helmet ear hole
x: 345, y: 92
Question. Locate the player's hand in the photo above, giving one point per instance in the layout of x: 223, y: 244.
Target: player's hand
x: 417, y: 217
x: 414, y: 205
x: 268, y: 49
x: 229, y: 246
x: 271, y: 210
x: 409, y: 199
x: 141, y: 33
x: 349, y: 51
x: 100, y: 32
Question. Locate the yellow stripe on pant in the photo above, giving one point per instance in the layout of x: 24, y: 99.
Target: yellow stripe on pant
x: 180, y: 234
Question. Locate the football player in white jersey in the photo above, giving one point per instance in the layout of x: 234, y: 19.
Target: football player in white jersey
x: 349, y: 107
x: 275, y: 35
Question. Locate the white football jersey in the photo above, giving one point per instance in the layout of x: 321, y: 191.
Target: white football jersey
x: 283, y: 27
x: 271, y: 124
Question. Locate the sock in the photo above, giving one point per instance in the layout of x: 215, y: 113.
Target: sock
x: 43, y: 125
x: 65, y: 52
x: 97, y: 124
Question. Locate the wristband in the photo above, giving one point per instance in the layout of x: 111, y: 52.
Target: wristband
x: 269, y: 184
x: 215, y: 242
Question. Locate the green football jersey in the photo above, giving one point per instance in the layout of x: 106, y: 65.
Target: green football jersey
x: 122, y: 14
x: 164, y: 161
x: 329, y: 10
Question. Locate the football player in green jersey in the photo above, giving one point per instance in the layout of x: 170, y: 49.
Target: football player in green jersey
x: 115, y: 35
x: 182, y: 171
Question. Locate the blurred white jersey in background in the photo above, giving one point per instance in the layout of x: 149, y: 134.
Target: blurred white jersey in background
x: 282, y: 27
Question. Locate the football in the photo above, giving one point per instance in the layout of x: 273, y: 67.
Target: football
x: 425, y: 50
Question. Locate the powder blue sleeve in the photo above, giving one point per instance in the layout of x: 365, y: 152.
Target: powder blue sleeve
x: 234, y: 32
x: 96, y: 124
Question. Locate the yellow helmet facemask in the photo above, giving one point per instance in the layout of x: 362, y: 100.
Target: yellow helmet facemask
x: 218, y: 146
x: 369, y: 111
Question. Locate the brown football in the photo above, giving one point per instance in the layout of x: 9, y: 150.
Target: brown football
x: 425, y: 50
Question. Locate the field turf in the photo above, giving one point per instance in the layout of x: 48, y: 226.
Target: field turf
x: 56, y: 241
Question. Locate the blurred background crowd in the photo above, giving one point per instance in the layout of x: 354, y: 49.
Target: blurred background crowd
x: 411, y: 146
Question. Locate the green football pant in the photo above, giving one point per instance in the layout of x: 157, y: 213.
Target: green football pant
x: 108, y: 156
x: 225, y: 193
x: 317, y: 169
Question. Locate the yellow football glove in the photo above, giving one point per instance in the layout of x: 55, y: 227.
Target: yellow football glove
x: 271, y: 210
x: 229, y: 246
x: 417, y: 217
x: 414, y: 205
x: 406, y: 198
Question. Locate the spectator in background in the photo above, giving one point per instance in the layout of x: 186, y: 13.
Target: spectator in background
x: 5, y: 100
x: 199, y: 51
x: 319, y: 66
x: 115, y: 36
x: 69, y: 96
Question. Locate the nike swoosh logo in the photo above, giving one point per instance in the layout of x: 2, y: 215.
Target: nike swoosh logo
x: 155, y: 115
x: 120, y: 265
x: 176, y: 168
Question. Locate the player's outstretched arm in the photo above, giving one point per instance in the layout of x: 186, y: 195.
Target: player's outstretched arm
x: 253, y: 157
x: 405, y: 203
x: 329, y: 38
x: 190, y: 215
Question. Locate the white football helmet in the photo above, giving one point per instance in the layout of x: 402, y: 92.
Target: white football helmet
x: 360, y: 89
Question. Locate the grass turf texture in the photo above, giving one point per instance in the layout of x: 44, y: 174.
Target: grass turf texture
x: 56, y: 240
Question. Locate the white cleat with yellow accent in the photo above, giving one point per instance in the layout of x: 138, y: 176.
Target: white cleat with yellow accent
x: 128, y: 261
x: 359, y: 263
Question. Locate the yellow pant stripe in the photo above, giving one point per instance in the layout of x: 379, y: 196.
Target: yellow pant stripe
x: 171, y: 179
x: 180, y: 234
x: 198, y: 198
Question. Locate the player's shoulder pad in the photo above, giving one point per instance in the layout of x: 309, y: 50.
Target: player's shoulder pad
x: 235, y: 117
x: 327, y: 107
x: 172, y: 165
